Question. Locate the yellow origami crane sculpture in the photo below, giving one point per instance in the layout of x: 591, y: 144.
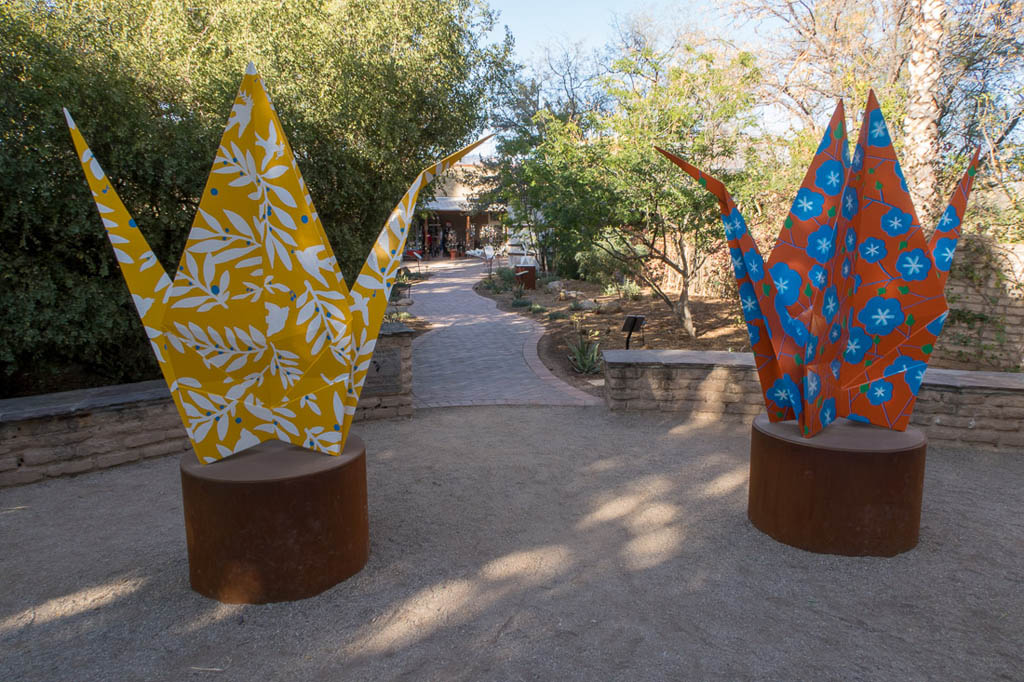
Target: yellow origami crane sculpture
x: 257, y: 335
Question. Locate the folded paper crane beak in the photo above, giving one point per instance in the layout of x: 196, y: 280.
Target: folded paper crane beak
x: 844, y: 315
x: 257, y: 335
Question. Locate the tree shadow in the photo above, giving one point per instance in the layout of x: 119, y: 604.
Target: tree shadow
x: 529, y: 543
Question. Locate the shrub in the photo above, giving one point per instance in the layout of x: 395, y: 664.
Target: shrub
x: 492, y: 285
x: 506, y: 276
x: 538, y: 308
x: 397, y: 316
x: 557, y: 315
x: 628, y: 290
x: 521, y: 303
x: 585, y: 354
x: 150, y: 83
x: 632, y: 291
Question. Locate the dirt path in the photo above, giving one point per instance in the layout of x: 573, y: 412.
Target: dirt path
x: 526, y: 543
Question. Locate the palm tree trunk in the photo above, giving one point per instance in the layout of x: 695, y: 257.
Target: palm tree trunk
x: 921, y: 124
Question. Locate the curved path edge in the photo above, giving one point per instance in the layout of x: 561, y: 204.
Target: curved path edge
x: 478, y: 354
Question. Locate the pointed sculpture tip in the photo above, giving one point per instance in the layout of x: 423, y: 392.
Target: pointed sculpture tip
x: 872, y: 100
x: 250, y: 70
x: 67, y: 117
x: 668, y: 155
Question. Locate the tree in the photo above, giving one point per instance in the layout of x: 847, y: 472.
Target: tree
x: 921, y: 123
x: 369, y: 93
x: 595, y: 177
x: 951, y: 70
x: 565, y: 90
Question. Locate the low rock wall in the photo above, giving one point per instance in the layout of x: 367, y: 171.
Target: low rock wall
x: 59, y: 434
x: 954, y: 407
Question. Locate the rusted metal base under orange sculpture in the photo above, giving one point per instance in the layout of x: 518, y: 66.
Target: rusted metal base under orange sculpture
x: 854, y: 489
x: 275, y: 522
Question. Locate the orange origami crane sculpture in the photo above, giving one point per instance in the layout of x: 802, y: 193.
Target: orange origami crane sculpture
x: 844, y: 315
x: 257, y: 335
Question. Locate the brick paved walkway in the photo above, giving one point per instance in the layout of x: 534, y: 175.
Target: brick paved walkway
x: 481, y: 355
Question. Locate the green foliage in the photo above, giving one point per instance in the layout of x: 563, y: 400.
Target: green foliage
x: 575, y: 306
x: 557, y: 315
x: 587, y: 165
x: 598, y: 264
x: 628, y: 290
x: 492, y: 285
x: 538, y: 308
x: 402, y: 316
x: 521, y: 303
x: 506, y: 276
x: 584, y: 349
x: 369, y: 94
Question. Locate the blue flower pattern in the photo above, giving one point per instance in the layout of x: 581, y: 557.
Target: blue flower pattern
x: 821, y: 245
x: 785, y: 393
x: 808, y: 204
x: 827, y: 413
x: 949, y: 220
x: 914, y: 265
x: 787, y: 283
x: 881, y: 315
x: 879, y: 391
x: 738, y: 267
x: 896, y: 222
x: 748, y: 300
x: 755, y: 265
x: 735, y: 225
x: 851, y: 204
x: 862, y: 333
x: 945, y: 249
x: 829, y: 177
x: 873, y: 250
x: 856, y: 346
x: 818, y: 276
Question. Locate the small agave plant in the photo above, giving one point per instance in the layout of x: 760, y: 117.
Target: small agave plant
x: 256, y: 333
x: 844, y: 315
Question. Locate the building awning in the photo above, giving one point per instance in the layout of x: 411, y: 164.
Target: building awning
x: 460, y: 204
x: 447, y: 204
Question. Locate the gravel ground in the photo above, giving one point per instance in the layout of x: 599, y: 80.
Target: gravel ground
x: 526, y: 543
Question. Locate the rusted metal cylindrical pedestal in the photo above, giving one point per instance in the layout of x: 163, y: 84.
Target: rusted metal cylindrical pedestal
x: 854, y: 489
x: 275, y: 522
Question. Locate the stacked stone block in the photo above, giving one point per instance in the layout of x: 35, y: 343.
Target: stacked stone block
x: 71, y: 433
x: 977, y: 409
x: 986, y: 330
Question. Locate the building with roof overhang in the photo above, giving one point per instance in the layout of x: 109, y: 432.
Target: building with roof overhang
x: 451, y: 221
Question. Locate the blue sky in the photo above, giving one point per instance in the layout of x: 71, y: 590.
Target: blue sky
x: 536, y: 23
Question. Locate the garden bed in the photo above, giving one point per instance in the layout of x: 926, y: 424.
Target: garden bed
x: 718, y: 321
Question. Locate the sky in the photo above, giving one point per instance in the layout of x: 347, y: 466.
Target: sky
x: 538, y: 24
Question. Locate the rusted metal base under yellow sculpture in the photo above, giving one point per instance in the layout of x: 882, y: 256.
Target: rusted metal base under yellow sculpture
x: 275, y: 522
x: 854, y: 489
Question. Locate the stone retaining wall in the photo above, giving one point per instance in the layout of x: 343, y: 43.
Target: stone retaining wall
x: 954, y: 407
x: 59, y: 434
x: 985, y: 328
